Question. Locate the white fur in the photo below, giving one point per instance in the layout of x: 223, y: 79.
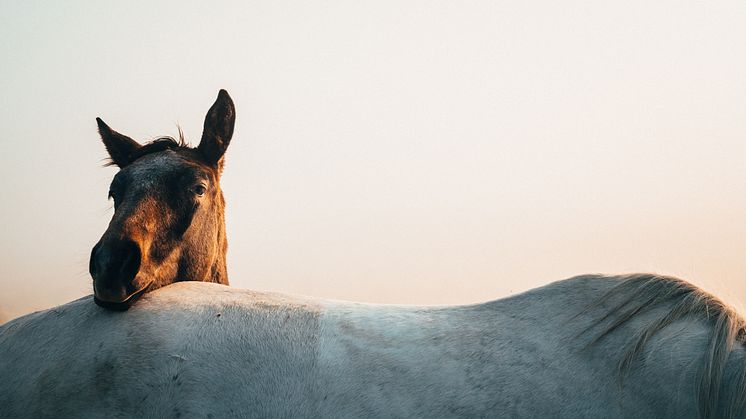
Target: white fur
x: 207, y: 350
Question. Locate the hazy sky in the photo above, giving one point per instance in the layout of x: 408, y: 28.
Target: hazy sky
x: 420, y: 152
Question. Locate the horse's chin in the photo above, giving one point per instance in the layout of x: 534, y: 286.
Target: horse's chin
x: 123, y: 305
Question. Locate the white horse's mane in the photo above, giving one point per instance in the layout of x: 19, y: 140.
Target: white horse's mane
x: 639, y: 293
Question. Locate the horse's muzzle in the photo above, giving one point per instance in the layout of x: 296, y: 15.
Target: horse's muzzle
x: 113, y: 266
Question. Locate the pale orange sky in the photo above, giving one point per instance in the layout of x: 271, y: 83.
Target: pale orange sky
x: 419, y: 152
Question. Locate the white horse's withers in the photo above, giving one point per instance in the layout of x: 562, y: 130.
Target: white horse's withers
x: 635, y: 346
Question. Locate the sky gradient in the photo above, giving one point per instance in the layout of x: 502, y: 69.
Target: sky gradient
x: 416, y: 152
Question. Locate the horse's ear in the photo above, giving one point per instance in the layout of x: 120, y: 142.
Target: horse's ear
x: 120, y: 147
x: 218, y: 130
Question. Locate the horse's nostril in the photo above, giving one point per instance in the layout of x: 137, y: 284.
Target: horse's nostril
x: 113, y: 267
x: 130, y: 254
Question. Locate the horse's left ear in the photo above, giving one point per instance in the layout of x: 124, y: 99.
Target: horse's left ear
x: 218, y: 130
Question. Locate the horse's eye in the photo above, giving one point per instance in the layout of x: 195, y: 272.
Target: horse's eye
x: 199, y: 190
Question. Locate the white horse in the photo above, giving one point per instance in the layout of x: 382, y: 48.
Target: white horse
x: 634, y: 346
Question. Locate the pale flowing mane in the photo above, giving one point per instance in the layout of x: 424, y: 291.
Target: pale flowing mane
x: 639, y: 293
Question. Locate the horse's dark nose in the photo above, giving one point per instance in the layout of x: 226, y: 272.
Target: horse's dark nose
x: 113, y: 266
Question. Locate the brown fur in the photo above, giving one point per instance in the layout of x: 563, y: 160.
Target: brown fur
x: 168, y: 222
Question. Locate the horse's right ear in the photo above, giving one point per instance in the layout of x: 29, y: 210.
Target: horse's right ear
x: 120, y: 147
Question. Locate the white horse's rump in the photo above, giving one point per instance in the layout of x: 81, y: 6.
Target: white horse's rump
x: 205, y: 350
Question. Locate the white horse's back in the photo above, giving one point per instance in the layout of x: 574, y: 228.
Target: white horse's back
x: 206, y: 350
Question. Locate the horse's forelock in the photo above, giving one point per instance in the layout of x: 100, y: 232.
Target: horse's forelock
x: 157, y: 145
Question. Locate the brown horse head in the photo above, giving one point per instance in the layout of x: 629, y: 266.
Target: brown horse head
x: 168, y: 222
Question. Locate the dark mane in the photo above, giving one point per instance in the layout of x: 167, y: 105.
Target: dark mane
x: 157, y: 145
x: 640, y: 293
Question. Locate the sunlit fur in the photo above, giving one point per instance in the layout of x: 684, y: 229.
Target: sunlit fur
x: 168, y: 223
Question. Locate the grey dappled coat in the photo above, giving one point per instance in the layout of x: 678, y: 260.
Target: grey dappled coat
x: 205, y: 350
